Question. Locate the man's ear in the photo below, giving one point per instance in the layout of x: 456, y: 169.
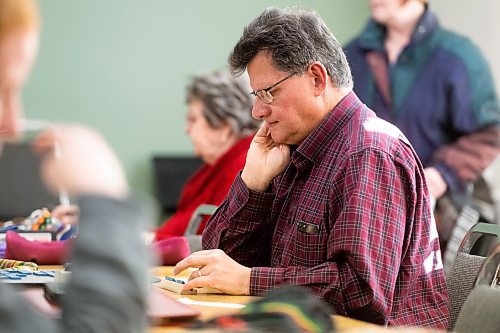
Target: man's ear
x: 320, y: 77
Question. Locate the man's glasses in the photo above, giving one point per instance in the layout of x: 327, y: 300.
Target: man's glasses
x: 265, y: 94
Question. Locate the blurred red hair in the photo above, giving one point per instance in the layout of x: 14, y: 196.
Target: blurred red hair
x: 18, y: 16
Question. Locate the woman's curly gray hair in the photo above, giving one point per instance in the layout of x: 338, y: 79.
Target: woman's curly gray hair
x: 226, y: 99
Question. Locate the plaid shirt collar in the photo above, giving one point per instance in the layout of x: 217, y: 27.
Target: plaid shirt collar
x: 313, y: 148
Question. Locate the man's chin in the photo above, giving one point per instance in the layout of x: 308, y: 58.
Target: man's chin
x: 278, y: 138
x: 283, y: 141
x: 287, y: 141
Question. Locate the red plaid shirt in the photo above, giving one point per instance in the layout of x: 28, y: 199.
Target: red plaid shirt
x: 349, y: 219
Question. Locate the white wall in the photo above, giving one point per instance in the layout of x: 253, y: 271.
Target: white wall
x: 121, y: 66
x: 478, y: 20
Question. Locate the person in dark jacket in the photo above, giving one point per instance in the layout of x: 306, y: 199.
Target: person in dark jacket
x: 436, y: 86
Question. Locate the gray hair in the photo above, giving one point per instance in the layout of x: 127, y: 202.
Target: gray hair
x: 295, y: 37
x: 226, y: 100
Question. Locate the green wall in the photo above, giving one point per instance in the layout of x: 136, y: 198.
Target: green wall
x: 121, y: 66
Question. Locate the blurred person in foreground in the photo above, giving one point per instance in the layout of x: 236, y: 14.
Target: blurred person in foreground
x: 331, y: 197
x: 437, y: 87
x: 220, y: 125
x: 108, y: 287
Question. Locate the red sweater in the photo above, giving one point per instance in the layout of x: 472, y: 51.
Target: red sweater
x: 209, y: 185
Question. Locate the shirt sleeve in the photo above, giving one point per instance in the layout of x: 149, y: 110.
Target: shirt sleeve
x: 239, y: 225
x: 474, y: 119
x: 108, y: 288
x: 465, y: 160
x: 359, y: 278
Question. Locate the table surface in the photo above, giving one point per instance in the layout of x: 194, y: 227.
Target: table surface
x: 225, y: 305
x: 219, y: 306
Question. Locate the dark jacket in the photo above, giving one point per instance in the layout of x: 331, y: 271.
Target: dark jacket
x: 440, y: 93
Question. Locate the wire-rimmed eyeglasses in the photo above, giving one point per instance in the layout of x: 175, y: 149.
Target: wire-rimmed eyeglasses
x: 265, y: 94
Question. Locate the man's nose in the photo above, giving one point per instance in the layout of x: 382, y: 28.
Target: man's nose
x: 260, y: 110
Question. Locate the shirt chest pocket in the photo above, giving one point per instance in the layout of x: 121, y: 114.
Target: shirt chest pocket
x: 309, y: 237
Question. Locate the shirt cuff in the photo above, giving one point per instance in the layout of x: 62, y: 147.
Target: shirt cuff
x: 265, y: 279
x: 252, y: 205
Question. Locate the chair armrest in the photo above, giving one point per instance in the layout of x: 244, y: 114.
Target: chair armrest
x: 197, y: 217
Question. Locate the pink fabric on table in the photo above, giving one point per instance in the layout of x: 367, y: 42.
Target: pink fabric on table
x: 42, y: 253
x: 172, y: 250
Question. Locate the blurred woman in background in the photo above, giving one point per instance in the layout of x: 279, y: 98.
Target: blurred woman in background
x: 220, y: 125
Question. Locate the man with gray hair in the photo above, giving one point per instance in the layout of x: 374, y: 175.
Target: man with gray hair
x: 331, y: 197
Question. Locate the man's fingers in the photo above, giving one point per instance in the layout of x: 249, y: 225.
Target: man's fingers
x: 198, y: 273
x: 192, y: 261
x: 198, y: 282
x: 203, y: 253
